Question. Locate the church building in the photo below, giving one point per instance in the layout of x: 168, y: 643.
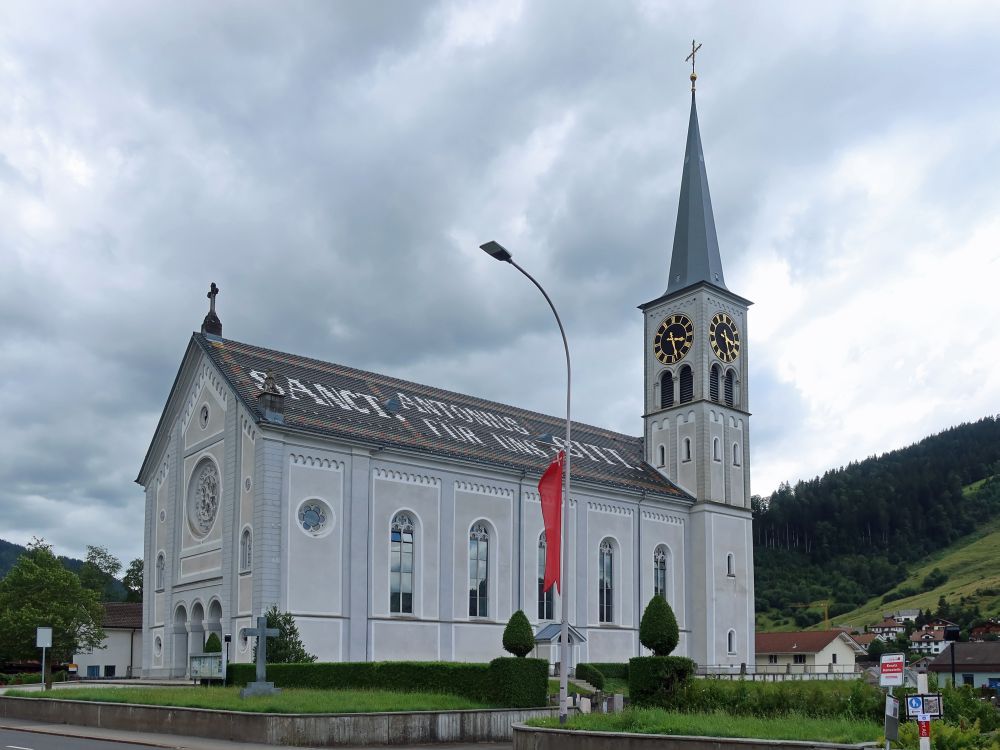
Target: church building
x: 396, y: 520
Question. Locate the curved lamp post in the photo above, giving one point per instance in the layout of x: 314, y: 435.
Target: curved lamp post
x: 501, y: 253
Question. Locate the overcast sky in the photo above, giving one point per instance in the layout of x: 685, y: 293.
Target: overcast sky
x: 333, y: 166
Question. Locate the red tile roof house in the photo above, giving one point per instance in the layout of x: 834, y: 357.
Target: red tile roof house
x: 984, y: 631
x: 976, y: 664
x: 928, y: 641
x: 825, y: 652
x: 121, y: 653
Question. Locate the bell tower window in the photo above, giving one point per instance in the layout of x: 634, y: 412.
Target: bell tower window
x: 667, y: 390
x: 663, y: 455
x: 730, y: 388
x: 687, y: 384
x: 713, y: 384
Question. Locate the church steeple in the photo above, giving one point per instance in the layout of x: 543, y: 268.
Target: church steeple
x: 695, y: 256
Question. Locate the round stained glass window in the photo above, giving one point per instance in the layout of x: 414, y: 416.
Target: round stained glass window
x: 315, y: 517
x: 203, y: 497
x: 203, y: 416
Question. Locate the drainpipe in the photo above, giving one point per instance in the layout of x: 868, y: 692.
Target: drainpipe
x: 520, y: 540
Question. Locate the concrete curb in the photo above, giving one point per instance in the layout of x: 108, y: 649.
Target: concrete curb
x: 320, y: 730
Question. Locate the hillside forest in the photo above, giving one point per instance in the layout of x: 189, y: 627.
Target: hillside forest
x: 854, y: 533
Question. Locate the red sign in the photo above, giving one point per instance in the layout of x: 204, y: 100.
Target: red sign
x: 891, y: 668
x: 925, y: 728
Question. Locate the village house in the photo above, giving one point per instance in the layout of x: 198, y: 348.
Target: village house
x: 807, y: 652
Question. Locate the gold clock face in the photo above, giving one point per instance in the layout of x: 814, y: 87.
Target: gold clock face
x: 673, y: 339
x: 725, y: 337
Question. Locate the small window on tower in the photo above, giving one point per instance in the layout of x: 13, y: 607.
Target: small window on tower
x: 736, y: 454
x: 730, y: 388
x: 687, y: 449
x: 667, y: 390
x: 716, y: 452
x: 687, y: 384
x: 713, y: 384
x: 663, y: 455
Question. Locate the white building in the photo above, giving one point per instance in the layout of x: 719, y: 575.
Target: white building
x: 400, y: 521
x: 120, y: 654
x: 807, y: 652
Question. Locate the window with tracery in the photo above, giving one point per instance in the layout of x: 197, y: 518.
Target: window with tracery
x: 401, y: 564
x: 606, y: 589
x: 660, y: 571
x: 479, y: 570
x: 546, y: 599
x: 246, y: 550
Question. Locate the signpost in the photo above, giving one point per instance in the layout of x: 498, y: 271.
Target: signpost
x: 43, y: 640
x: 924, y: 703
x: 891, y: 719
x: 891, y: 669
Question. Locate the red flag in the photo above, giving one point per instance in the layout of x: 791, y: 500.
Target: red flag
x: 550, y: 489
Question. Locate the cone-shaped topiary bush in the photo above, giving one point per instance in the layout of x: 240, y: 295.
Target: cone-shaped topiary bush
x: 518, y: 638
x: 658, y: 627
x: 213, y: 645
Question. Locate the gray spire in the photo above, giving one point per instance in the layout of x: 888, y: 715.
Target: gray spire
x: 696, y: 247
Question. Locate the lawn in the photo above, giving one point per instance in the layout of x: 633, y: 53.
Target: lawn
x: 289, y: 701
x: 658, y: 721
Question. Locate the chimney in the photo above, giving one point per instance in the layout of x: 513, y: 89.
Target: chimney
x: 211, y: 324
x: 271, y: 400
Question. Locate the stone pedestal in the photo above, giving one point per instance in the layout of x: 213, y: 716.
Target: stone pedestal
x: 254, y: 689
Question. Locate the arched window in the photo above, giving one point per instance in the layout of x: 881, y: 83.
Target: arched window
x: 730, y: 388
x: 161, y: 564
x: 546, y: 603
x: 246, y: 550
x: 687, y: 384
x: 730, y: 565
x: 479, y: 571
x: 713, y: 383
x: 736, y: 454
x: 667, y: 390
x: 731, y: 641
x: 606, y: 589
x: 663, y: 455
x: 687, y: 449
x: 660, y: 571
x: 401, y: 564
x: 716, y: 452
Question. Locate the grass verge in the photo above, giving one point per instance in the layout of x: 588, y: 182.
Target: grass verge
x: 289, y: 701
x: 718, y: 724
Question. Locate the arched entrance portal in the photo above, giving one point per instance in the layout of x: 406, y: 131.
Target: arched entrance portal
x: 196, y: 629
x: 179, y: 663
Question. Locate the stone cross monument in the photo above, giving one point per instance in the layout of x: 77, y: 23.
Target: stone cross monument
x: 262, y: 632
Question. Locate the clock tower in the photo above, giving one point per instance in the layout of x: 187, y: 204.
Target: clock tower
x: 696, y: 419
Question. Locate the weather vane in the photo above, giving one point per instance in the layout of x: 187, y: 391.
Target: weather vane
x: 694, y: 50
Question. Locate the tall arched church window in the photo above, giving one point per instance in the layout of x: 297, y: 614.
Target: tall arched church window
x: 713, y: 384
x: 246, y: 550
x: 667, y: 390
x: 660, y: 571
x: 687, y: 449
x: 606, y: 588
x: 479, y: 571
x: 160, y: 567
x: 401, y: 564
x: 687, y: 384
x: 730, y: 388
x: 663, y: 455
x: 736, y: 454
x: 546, y: 603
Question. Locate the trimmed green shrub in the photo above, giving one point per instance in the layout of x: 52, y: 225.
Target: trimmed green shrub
x: 213, y: 645
x: 590, y: 673
x: 658, y: 628
x: 519, y: 682
x: 614, y: 670
x: 654, y: 680
x: 497, y: 682
x: 518, y: 638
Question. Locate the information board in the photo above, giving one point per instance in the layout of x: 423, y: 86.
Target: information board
x: 891, y: 668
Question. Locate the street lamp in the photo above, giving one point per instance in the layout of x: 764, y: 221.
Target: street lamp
x: 501, y: 253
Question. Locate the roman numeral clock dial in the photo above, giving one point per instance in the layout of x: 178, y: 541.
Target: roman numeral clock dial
x: 673, y: 339
x: 725, y: 337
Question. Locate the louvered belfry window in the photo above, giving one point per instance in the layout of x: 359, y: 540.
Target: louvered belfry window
x: 713, y: 384
x: 687, y: 384
x: 667, y: 390
x: 730, y: 388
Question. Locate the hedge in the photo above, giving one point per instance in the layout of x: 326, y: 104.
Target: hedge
x: 590, y: 673
x: 507, y: 681
x: 614, y: 670
x: 654, y: 680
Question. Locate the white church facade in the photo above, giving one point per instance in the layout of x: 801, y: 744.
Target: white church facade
x: 399, y: 521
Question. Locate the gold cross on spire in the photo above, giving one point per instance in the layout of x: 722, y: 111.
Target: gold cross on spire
x: 694, y: 50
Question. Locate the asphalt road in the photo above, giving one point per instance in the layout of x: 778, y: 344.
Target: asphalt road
x: 59, y: 737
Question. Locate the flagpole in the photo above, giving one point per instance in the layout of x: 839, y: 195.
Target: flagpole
x: 500, y: 253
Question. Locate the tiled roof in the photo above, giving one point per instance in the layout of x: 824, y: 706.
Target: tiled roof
x: 801, y: 642
x: 864, y: 639
x: 969, y: 657
x: 341, y: 402
x: 122, y: 615
x: 927, y: 635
